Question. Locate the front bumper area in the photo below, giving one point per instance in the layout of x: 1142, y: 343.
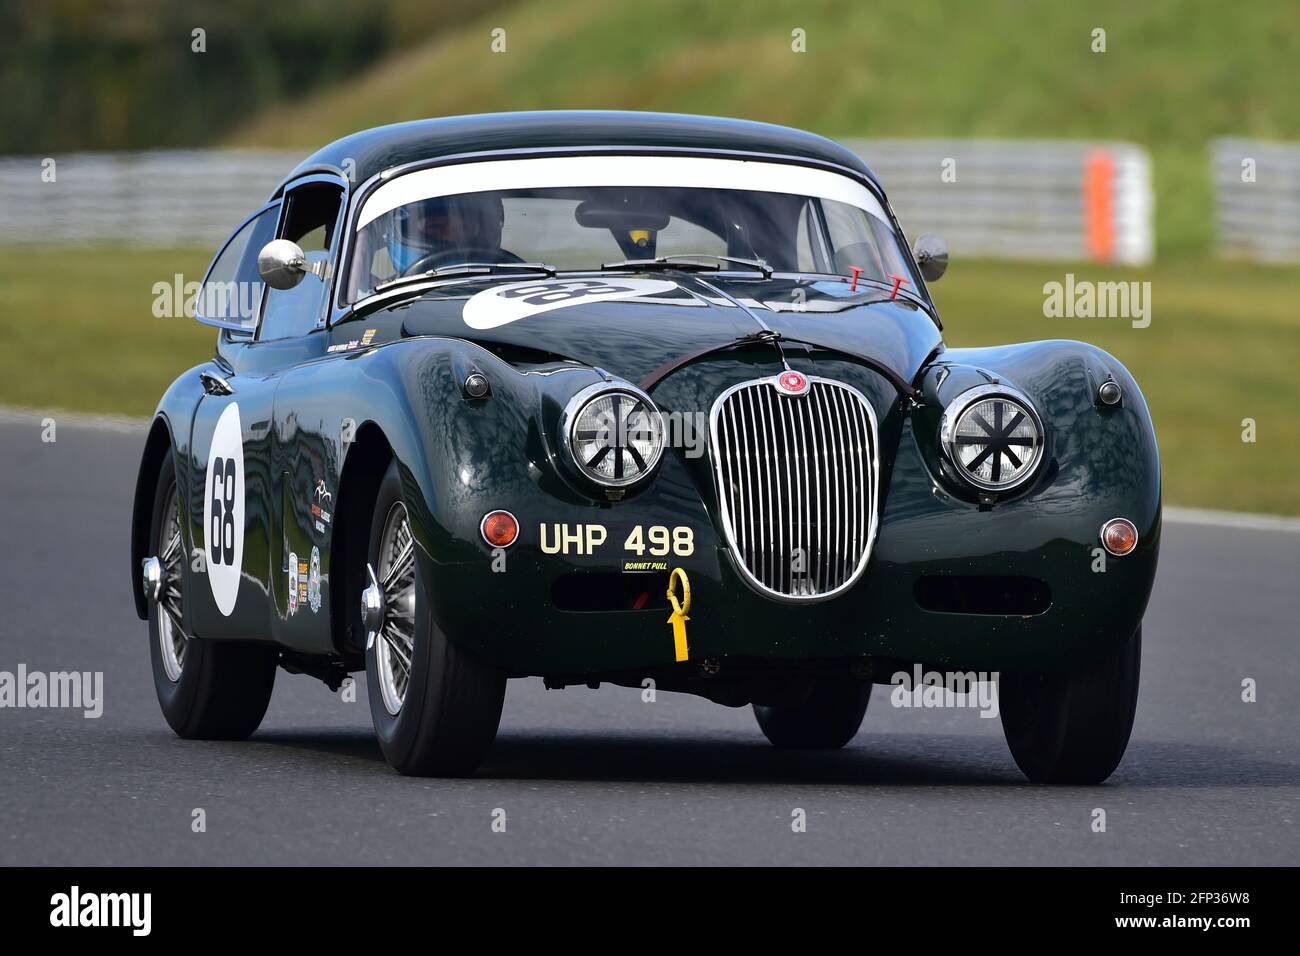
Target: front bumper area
x: 1050, y: 538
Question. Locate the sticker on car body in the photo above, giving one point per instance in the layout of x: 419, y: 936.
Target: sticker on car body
x: 223, y: 510
x: 508, y: 303
x: 313, y: 581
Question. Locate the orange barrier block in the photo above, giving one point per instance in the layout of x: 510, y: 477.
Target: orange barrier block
x: 1099, y: 204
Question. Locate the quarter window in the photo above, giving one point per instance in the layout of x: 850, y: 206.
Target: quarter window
x: 232, y: 289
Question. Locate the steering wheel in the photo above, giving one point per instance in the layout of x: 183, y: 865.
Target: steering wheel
x: 465, y: 254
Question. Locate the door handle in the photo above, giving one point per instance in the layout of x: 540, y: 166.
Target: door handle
x: 215, y: 385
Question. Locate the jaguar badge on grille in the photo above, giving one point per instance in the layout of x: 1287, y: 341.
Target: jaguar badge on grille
x: 792, y: 383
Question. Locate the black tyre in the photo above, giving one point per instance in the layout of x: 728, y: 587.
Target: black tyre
x: 1073, y: 728
x: 435, y: 708
x: 208, y: 690
x: 826, y: 719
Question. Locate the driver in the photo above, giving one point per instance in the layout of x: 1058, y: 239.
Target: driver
x: 446, y: 230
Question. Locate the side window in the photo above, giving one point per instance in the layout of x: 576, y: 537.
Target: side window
x: 852, y: 239
x: 232, y: 290
x: 310, y: 218
x: 890, y: 250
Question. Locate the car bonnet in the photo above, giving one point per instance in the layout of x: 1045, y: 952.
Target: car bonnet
x: 632, y: 324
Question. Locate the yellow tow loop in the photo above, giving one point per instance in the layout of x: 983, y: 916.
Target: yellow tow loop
x: 678, y: 618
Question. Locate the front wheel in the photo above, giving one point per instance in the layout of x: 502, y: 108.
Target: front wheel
x: 1074, y: 727
x: 208, y: 690
x: 827, y: 719
x: 434, y: 707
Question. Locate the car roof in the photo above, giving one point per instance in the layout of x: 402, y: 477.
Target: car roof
x: 372, y: 151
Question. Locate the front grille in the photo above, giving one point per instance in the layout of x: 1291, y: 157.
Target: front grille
x: 797, y: 484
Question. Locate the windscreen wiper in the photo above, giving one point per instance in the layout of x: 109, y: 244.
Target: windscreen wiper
x: 662, y: 262
x: 758, y: 265
x: 468, y: 269
x: 689, y: 260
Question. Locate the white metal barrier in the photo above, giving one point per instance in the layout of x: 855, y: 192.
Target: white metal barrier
x: 1021, y: 199
x: 156, y: 198
x: 1257, y: 199
x: 1003, y: 198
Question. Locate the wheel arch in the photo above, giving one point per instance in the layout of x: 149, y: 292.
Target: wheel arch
x: 367, y: 459
x: 157, y: 447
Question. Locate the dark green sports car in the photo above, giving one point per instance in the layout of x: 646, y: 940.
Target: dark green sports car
x: 648, y: 399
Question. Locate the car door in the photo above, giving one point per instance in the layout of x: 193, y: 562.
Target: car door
x: 229, y: 468
x: 305, y: 446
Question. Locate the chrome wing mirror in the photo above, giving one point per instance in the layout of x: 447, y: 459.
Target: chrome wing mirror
x: 931, y: 254
x: 282, y: 264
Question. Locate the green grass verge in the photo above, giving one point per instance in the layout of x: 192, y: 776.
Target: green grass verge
x: 80, y: 333
x: 1221, y: 347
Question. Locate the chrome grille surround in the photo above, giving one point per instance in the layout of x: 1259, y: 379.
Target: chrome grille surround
x: 797, y: 471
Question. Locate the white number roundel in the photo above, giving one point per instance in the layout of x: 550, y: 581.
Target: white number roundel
x: 223, y: 510
x: 508, y: 303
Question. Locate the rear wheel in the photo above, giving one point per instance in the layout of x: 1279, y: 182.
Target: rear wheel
x: 435, y: 708
x: 1074, y: 727
x: 208, y: 690
x: 827, y: 719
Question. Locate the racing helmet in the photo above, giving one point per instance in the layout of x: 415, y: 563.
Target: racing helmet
x: 444, y: 224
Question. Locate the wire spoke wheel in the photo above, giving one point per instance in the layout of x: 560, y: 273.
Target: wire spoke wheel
x: 395, y: 643
x: 434, y: 705
x: 172, y: 639
x: 207, y: 690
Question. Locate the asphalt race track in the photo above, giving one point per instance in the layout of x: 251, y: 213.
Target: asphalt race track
x: 599, y: 776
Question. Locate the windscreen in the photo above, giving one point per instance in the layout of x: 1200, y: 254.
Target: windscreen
x: 664, y: 207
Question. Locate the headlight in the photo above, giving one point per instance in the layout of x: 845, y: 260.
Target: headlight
x: 993, y: 437
x: 613, y: 434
